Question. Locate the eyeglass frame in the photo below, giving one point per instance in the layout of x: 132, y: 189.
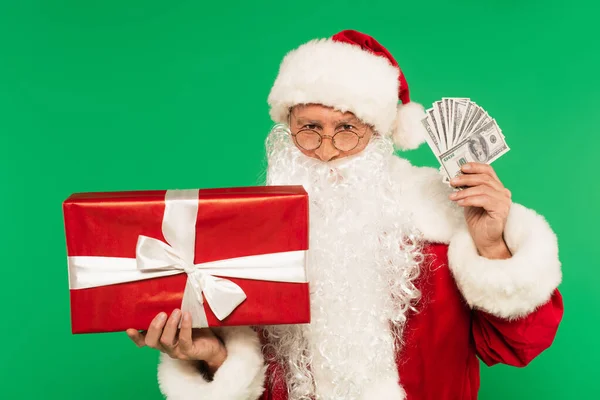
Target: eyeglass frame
x: 321, y: 137
x: 330, y: 137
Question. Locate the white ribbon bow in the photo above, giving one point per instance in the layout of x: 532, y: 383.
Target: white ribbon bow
x: 155, y: 258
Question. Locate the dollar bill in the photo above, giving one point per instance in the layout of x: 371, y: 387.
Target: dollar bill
x: 451, y: 104
x: 459, y: 109
x: 439, y: 107
x: 478, y: 113
x: 468, y: 114
x: 484, y: 120
x: 446, y: 108
x: 435, y: 123
x: 431, y: 138
x: 491, y: 134
x: 484, y: 145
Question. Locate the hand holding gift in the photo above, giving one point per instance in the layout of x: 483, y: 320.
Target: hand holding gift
x: 187, y: 343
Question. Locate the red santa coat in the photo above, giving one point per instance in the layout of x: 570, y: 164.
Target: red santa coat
x: 439, y: 359
x: 499, y: 311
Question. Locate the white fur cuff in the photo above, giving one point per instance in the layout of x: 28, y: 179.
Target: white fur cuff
x: 241, y: 377
x: 516, y: 286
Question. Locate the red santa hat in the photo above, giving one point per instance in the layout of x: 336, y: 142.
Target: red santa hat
x: 352, y: 72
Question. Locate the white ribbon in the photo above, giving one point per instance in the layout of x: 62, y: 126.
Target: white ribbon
x: 155, y: 258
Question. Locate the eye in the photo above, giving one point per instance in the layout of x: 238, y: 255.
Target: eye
x: 311, y: 127
x: 348, y: 127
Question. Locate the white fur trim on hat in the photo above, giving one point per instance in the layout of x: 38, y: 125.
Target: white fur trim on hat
x: 409, y: 132
x: 338, y: 75
x: 516, y: 286
x: 241, y: 377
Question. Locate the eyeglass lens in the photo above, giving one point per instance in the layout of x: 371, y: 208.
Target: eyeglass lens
x: 343, y: 141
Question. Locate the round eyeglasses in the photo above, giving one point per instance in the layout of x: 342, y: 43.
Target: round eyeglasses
x: 310, y: 140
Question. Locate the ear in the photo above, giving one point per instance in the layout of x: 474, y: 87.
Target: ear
x: 408, y: 132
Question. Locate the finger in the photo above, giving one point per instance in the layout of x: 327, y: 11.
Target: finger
x: 472, y: 191
x: 185, y: 334
x: 476, y: 180
x: 488, y: 203
x: 168, y: 338
x: 155, y: 331
x: 137, y: 337
x: 480, y: 168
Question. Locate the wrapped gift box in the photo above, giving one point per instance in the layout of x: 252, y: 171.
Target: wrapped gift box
x: 238, y: 255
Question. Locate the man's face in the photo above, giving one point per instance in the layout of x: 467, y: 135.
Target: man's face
x: 305, y: 120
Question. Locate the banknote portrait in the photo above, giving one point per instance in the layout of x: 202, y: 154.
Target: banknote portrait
x: 478, y: 148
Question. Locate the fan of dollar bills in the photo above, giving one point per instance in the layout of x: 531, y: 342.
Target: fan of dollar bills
x: 459, y: 131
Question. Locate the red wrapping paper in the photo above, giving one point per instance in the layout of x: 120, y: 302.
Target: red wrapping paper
x: 233, y: 222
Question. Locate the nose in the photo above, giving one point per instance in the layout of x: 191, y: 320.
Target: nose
x: 327, y: 151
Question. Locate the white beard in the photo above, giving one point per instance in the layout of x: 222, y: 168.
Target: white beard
x: 361, y: 272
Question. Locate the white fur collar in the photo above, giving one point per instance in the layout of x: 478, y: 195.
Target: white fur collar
x: 426, y: 195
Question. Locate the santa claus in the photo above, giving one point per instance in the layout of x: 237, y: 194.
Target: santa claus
x: 412, y: 282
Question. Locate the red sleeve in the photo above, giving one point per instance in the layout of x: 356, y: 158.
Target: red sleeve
x: 517, y: 342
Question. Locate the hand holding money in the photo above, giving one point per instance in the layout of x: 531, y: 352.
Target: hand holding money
x: 465, y: 139
x: 487, y: 203
x: 459, y: 132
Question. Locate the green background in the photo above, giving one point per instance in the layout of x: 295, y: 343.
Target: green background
x: 147, y: 94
